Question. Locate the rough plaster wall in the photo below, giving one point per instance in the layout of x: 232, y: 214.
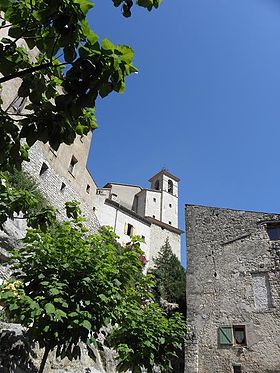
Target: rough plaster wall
x: 158, y: 239
x: 169, y: 209
x: 226, y: 248
x: 152, y: 205
x: 141, y: 208
x: 125, y: 194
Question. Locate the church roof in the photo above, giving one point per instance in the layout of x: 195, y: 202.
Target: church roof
x: 167, y: 173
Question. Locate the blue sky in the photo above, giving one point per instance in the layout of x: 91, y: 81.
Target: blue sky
x: 205, y: 103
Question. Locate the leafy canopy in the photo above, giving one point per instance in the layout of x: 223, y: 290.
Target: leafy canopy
x: 63, y: 68
x: 68, y: 285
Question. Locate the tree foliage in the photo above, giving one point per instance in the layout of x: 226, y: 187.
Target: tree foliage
x: 63, y: 68
x: 19, y: 199
x: 68, y: 285
x: 170, y: 277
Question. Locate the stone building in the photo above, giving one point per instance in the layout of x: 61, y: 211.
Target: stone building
x: 152, y: 214
x: 233, y: 284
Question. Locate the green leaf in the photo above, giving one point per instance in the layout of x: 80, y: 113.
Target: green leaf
x: 54, y: 291
x: 85, y: 5
x: 105, y: 89
x: 126, y: 53
x: 69, y: 53
x: 107, y: 45
x: 86, y: 324
x: 50, y: 309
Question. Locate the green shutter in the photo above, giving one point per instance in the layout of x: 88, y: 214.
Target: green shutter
x: 225, y: 335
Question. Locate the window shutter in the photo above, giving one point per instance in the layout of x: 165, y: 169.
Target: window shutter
x: 125, y: 228
x: 225, y: 335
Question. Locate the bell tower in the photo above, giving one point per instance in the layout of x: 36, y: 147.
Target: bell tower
x: 167, y: 185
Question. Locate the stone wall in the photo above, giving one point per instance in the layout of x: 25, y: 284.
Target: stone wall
x: 58, y: 189
x: 232, y: 281
x: 17, y: 355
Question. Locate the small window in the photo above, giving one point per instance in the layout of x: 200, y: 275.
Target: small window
x: 43, y: 169
x: 143, y: 238
x: 170, y: 222
x: 88, y: 189
x: 128, y: 229
x: 239, y: 335
x: 154, y: 199
x: 232, y: 335
x: 236, y: 368
x: 154, y: 216
x: 273, y: 231
x: 93, y: 209
x: 170, y: 205
x: 72, y: 165
x: 170, y: 186
x: 63, y: 186
x: 156, y: 186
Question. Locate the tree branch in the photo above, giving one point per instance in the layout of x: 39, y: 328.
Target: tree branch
x: 20, y: 74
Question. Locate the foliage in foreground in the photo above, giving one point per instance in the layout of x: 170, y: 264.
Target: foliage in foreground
x: 67, y: 69
x: 68, y: 285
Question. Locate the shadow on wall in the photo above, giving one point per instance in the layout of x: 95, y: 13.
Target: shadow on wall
x: 16, y: 352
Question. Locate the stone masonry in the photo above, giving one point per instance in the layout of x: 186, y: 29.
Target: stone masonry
x: 233, y: 298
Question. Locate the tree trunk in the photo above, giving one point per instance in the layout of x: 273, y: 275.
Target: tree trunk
x: 43, y: 362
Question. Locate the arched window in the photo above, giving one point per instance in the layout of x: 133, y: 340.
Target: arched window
x: 170, y: 186
x: 157, y: 185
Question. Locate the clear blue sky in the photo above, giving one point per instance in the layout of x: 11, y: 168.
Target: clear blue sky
x: 205, y: 104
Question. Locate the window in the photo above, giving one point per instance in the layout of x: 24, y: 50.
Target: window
x: 143, y: 238
x: 72, y: 165
x: 154, y: 216
x: 232, y: 335
x: 157, y: 185
x: 273, y: 230
x: 93, y: 209
x: 154, y: 199
x: 170, y: 205
x: 43, y: 169
x: 236, y: 368
x: 63, y: 186
x: 239, y: 335
x: 169, y: 222
x: 88, y: 188
x: 170, y: 186
x: 129, y: 229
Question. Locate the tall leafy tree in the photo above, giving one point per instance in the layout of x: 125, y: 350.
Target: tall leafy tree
x: 68, y: 285
x: 170, y: 277
x: 63, y: 68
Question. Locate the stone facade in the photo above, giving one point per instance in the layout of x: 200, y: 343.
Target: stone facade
x: 233, y: 283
